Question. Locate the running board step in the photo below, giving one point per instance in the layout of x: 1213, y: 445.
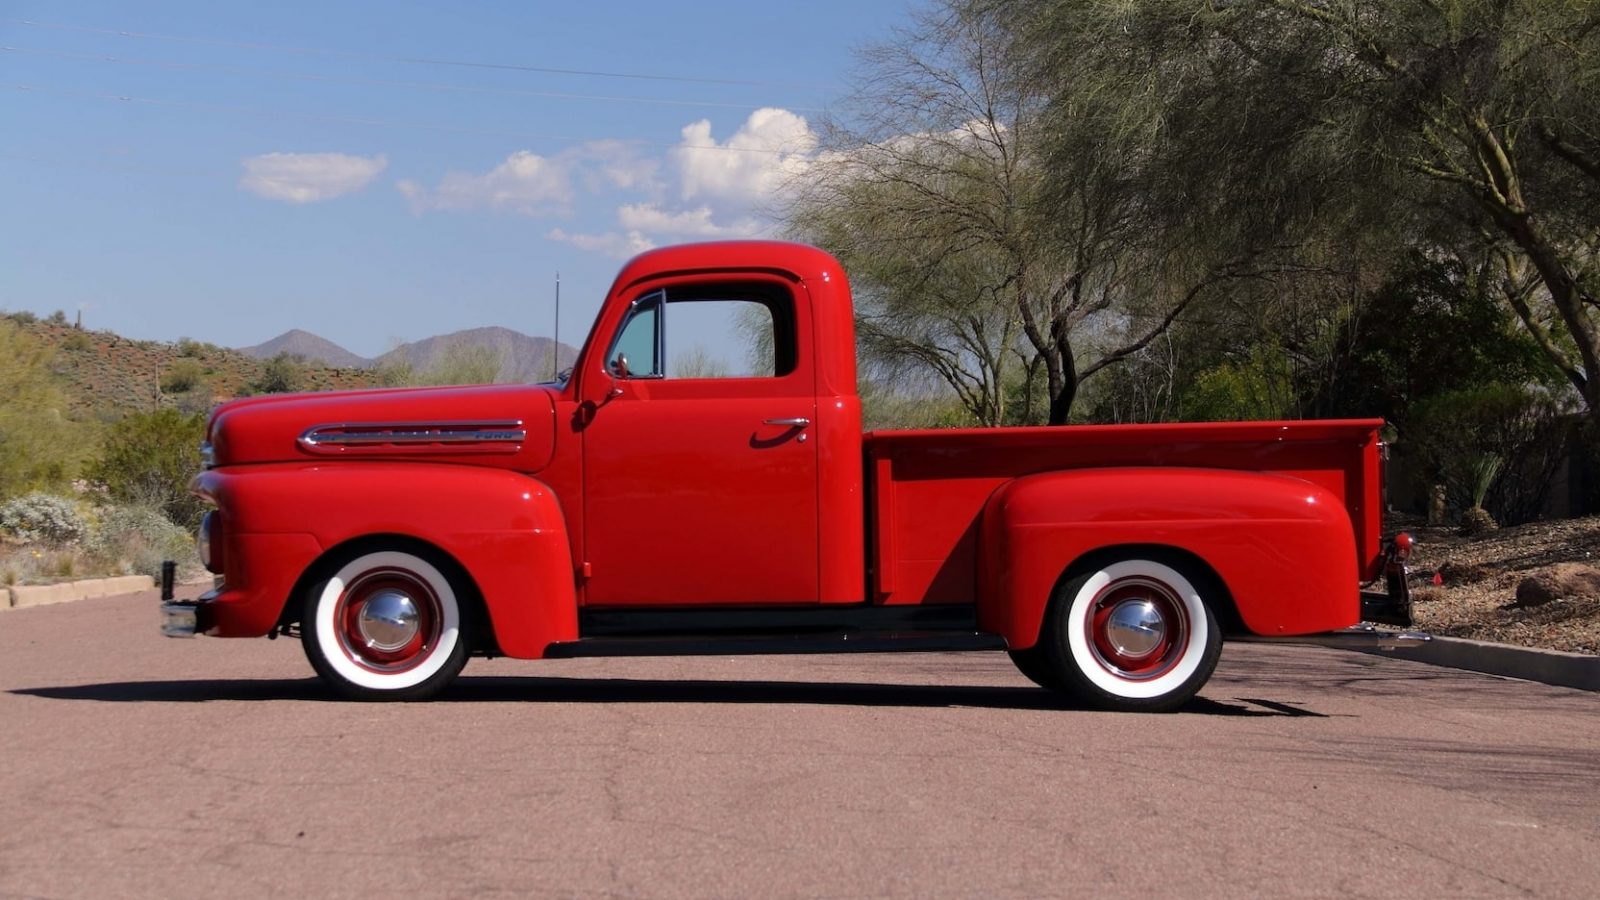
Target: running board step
x: 748, y: 645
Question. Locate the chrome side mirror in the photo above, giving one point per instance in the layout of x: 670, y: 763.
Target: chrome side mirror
x: 619, y: 366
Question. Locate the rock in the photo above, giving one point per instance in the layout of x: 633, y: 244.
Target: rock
x: 1562, y: 581
x: 1464, y: 573
x: 1478, y: 521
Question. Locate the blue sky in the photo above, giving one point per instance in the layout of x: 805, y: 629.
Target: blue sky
x: 385, y: 171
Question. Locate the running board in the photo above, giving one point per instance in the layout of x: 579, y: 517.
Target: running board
x: 1359, y: 637
x: 750, y: 645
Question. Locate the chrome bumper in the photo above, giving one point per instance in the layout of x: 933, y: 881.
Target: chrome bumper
x: 179, y: 618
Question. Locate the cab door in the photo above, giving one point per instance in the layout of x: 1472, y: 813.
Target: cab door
x: 700, y: 469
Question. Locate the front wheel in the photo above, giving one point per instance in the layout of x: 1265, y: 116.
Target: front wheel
x: 385, y: 625
x: 1134, y: 635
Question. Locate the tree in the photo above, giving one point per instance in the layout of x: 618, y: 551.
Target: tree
x: 1458, y: 126
x: 965, y: 269
x: 40, y: 446
x: 464, y: 363
x: 148, y: 458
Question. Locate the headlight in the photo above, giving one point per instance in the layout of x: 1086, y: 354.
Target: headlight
x: 208, y: 541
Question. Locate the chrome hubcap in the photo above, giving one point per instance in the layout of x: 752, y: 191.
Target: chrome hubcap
x: 389, y: 620
x: 1136, y: 629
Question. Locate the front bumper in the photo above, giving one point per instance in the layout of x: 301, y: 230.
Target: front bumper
x: 180, y: 618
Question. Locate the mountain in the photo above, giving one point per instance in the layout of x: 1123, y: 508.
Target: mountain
x: 522, y: 358
x: 313, y: 348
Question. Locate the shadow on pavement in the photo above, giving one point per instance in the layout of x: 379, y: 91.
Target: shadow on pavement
x: 626, y: 690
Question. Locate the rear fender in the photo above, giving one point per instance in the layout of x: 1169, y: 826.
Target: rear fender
x: 1283, y: 548
x: 506, y: 530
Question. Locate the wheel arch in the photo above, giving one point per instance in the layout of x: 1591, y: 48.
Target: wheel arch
x: 504, y: 531
x: 479, y: 624
x: 1180, y: 558
x: 1279, y: 549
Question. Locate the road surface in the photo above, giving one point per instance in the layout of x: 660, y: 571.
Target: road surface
x: 137, y: 766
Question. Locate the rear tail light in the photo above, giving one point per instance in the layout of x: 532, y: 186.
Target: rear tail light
x: 1403, y: 542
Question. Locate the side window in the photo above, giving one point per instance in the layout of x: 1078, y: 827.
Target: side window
x: 718, y: 331
x: 637, y: 350
x: 723, y: 337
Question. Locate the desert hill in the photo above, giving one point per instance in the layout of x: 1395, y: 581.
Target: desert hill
x: 309, y: 347
x: 523, y: 358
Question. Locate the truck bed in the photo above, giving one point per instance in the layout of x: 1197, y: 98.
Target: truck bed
x: 926, y: 489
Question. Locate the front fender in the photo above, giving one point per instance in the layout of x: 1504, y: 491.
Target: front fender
x: 504, y: 528
x: 1283, y: 547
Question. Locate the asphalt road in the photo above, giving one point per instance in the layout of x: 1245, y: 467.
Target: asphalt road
x: 137, y: 766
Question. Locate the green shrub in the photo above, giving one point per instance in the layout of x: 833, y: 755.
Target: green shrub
x: 282, y: 374
x: 183, y: 376
x: 43, y: 519
x: 39, y: 446
x: 1525, y: 429
x: 1259, y: 387
x: 136, y: 539
x: 193, y: 349
x: 149, y: 458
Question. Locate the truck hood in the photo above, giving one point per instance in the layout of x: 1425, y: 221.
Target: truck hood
x: 506, y: 426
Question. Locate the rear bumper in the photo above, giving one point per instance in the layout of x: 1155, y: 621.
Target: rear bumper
x: 1391, y: 606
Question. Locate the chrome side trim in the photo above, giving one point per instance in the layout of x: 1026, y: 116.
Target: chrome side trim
x: 336, y: 437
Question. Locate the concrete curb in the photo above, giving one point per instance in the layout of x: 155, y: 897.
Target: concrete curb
x: 67, y: 591
x: 1573, y: 670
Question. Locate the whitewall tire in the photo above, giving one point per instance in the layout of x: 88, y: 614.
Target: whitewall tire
x: 1134, y: 634
x: 385, y: 624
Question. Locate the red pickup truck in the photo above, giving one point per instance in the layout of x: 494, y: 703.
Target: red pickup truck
x: 657, y: 503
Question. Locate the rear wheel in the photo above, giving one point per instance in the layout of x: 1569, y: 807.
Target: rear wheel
x: 385, y: 625
x: 1134, y: 634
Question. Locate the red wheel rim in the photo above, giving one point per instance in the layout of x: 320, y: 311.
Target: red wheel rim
x: 388, y: 620
x: 1138, y: 628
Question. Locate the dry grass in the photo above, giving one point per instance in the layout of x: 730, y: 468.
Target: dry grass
x: 1480, y: 575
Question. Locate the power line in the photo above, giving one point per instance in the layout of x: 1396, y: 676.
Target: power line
x: 102, y: 165
x: 382, y: 82
x: 408, y: 60
x: 364, y: 121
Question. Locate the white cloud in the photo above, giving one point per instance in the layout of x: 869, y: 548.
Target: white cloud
x: 309, y: 177
x: 526, y: 183
x: 697, y: 222
x: 700, y: 188
x: 536, y: 185
x: 752, y: 167
x: 611, y: 243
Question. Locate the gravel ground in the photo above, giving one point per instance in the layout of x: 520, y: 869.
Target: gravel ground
x: 1475, y: 589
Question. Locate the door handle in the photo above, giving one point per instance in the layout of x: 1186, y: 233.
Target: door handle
x: 796, y: 422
